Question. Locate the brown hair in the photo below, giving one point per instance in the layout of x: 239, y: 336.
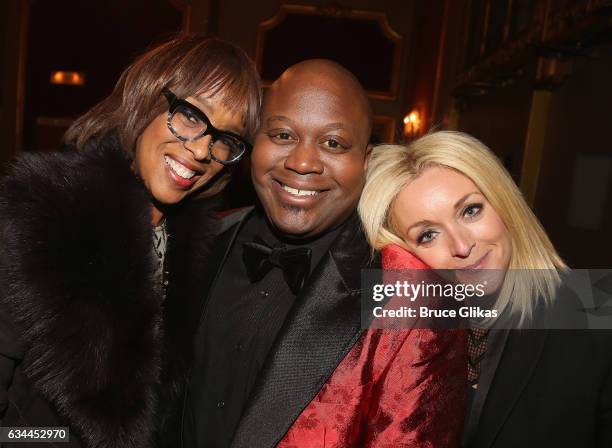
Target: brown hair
x: 189, y: 65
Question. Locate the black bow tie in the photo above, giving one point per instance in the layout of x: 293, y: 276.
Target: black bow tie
x: 259, y: 259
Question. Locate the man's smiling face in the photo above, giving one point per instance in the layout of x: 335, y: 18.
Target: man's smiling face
x: 309, y: 158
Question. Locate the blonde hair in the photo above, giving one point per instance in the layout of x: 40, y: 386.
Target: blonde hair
x: 391, y: 167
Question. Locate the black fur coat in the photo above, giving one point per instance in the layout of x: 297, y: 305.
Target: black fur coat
x: 87, y: 340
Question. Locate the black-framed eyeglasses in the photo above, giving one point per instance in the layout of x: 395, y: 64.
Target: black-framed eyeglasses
x: 188, y: 123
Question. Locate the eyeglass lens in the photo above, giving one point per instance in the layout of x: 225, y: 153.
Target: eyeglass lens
x: 190, y: 126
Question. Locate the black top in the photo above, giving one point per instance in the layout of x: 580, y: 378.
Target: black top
x: 240, y: 324
x: 543, y: 387
x: 496, y: 341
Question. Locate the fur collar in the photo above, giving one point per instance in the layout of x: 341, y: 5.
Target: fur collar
x: 77, y: 271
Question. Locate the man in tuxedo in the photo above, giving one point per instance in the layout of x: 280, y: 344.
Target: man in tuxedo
x: 283, y: 309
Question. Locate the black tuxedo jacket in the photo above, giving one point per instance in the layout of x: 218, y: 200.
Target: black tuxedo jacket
x: 551, y: 388
x: 319, y: 331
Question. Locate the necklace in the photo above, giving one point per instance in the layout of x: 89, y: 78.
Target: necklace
x: 160, y: 241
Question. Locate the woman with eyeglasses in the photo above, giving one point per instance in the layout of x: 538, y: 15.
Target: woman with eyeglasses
x: 102, y: 247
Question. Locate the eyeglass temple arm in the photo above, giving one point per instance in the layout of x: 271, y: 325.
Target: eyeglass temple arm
x: 171, y: 97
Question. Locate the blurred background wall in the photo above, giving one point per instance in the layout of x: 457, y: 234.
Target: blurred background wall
x: 531, y: 78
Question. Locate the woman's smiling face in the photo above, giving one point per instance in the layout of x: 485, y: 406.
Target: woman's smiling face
x: 447, y: 222
x: 170, y: 169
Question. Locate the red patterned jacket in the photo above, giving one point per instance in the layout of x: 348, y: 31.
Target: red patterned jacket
x: 395, y: 388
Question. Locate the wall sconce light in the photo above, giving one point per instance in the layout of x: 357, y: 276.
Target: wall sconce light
x: 412, y: 124
x: 61, y: 77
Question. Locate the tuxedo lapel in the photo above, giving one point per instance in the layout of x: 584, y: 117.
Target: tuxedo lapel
x: 319, y: 331
x: 519, y: 359
x: 227, y: 231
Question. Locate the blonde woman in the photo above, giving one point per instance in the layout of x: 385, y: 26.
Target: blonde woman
x: 447, y: 201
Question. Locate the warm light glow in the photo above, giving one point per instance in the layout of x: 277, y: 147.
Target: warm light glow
x: 412, y: 124
x: 67, y: 78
